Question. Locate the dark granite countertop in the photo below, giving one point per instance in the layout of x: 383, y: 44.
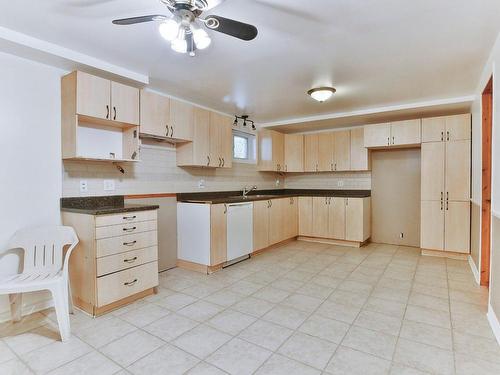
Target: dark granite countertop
x: 259, y: 195
x: 102, y: 205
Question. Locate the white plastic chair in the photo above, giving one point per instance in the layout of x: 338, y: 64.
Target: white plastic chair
x: 44, y: 269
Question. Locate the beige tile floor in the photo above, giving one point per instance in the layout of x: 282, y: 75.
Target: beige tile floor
x: 304, y: 308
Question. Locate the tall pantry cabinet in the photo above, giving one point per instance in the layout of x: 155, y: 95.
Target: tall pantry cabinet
x: 445, y: 183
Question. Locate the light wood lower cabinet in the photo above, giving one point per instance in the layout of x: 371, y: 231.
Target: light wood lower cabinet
x: 320, y: 217
x: 305, y: 216
x: 336, y: 218
x: 357, y: 219
x: 218, y: 234
x: 260, y: 225
x: 116, y: 260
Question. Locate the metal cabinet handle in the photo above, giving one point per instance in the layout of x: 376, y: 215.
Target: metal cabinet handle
x: 331, y: 167
x: 278, y: 167
x: 208, y: 160
x: 130, y: 283
x: 271, y: 202
x: 335, y: 166
x: 220, y: 162
x: 130, y: 243
x: 286, y: 168
x: 268, y: 204
x: 330, y: 200
x: 317, y: 169
x: 129, y: 229
x: 225, y: 208
x: 393, y: 142
x: 107, y: 111
x: 129, y: 217
x: 131, y: 260
x: 114, y: 113
x: 347, y: 201
x: 171, y: 131
x: 388, y: 141
x: 223, y: 163
x: 326, y: 200
x: 448, y: 135
x: 168, y: 130
x: 442, y: 136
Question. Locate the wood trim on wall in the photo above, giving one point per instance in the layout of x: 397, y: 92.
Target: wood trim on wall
x: 487, y: 124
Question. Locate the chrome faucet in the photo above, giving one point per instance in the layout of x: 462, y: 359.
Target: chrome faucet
x: 246, y: 190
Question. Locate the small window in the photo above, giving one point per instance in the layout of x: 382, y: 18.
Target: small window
x: 244, y: 147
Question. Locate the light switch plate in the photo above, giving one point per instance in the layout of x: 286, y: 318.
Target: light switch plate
x: 84, y: 186
x: 201, y: 184
x: 109, y: 185
x: 278, y: 182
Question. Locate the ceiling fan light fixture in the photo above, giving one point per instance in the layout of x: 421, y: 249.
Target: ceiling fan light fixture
x: 180, y: 44
x: 201, y: 38
x: 169, y: 29
x: 321, y: 94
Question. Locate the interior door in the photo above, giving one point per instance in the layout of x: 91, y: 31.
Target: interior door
x: 336, y: 222
x: 377, y: 135
x: 93, y: 96
x: 311, y: 152
x: 325, y: 152
x: 154, y: 114
x: 294, y: 153
x: 305, y: 216
x: 125, y: 103
x: 320, y: 217
x: 457, y: 177
x: 342, y: 150
x: 432, y: 225
x: 260, y: 225
x: 432, y: 171
x: 457, y: 227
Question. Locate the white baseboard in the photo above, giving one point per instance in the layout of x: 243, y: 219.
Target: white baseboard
x: 28, y: 309
x: 494, y: 323
x: 474, y: 270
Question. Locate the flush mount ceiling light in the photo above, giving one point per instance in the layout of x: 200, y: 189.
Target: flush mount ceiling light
x: 182, y: 29
x: 321, y: 94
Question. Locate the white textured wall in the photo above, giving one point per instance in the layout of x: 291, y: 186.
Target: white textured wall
x: 30, y: 166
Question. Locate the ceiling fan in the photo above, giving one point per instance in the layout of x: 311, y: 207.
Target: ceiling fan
x: 182, y: 27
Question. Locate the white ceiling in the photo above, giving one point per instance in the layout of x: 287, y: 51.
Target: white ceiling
x: 376, y: 53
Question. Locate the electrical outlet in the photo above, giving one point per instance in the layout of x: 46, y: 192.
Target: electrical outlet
x: 109, y: 185
x: 340, y: 183
x: 401, y: 235
x: 84, y: 186
x: 201, y: 184
x: 278, y: 182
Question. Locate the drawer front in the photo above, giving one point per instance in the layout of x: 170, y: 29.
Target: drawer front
x: 125, y: 218
x: 117, y: 245
x: 119, y: 262
x: 125, y: 283
x: 123, y: 229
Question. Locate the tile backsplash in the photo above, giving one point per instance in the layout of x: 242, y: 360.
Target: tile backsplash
x: 157, y: 172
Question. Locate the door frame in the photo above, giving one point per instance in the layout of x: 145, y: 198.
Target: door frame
x: 487, y: 127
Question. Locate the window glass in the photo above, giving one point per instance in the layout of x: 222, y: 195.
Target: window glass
x: 240, y: 150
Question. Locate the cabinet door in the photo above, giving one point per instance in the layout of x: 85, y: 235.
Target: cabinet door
x: 377, y: 135
x: 125, y: 103
x: 225, y: 132
x: 218, y: 234
x: 432, y: 171
x: 278, y: 151
x: 458, y: 128
x: 154, y: 114
x: 292, y: 218
x: 320, y: 217
x: 311, y: 144
x: 457, y: 227
x: 354, y: 219
x: 93, y: 96
x: 181, y: 120
x: 305, y: 216
x: 406, y: 133
x: 271, y: 150
x: 260, y: 225
x: 202, y: 139
x: 336, y: 222
x: 457, y: 177
x: 276, y: 231
x: 325, y: 152
x: 294, y: 153
x: 360, y: 156
x: 432, y: 225
x: 433, y: 129
x: 342, y: 146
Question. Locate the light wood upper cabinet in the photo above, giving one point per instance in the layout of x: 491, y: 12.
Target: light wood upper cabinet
x: 336, y: 221
x: 125, y: 103
x: 154, y: 114
x: 378, y: 135
x: 260, y: 225
x: 446, y: 128
x: 432, y: 225
x: 294, y: 153
x: 271, y: 150
x: 360, y: 155
x: 457, y: 222
x: 311, y: 145
x: 221, y: 140
x: 326, y: 152
x: 181, y: 120
x: 342, y: 150
x: 305, y: 216
x: 218, y: 234
x: 93, y: 96
x: 433, y: 129
x: 457, y: 176
x: 432, y: 171
x: 320, y: 217
x: 406, y: 133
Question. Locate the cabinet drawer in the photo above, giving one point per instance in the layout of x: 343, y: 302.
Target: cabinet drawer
x: 125, y: 218
x: 125, y: 283
x: 116, y: 245
x: 119, y: 262
x: 120, y: 230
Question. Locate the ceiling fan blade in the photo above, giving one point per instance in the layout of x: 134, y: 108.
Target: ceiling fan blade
x: 234, y: 28
x: 141, y: 19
